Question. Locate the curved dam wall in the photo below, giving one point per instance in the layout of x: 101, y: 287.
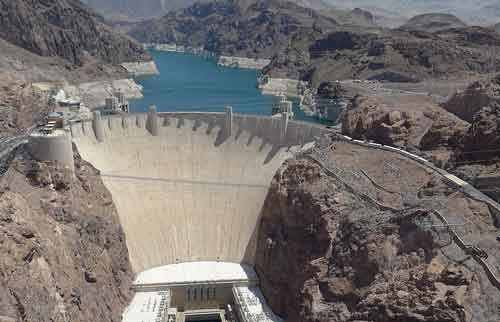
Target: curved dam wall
x: 189, y: 186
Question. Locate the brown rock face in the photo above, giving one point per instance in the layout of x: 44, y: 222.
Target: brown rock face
x: 480, y: 105
x: 337, y: 246
x: 478, y: 95
x: 63, y: 252
x: 20, y: 107
x: 482, y: 141
x: 418, y: 125
x: 64, y: 28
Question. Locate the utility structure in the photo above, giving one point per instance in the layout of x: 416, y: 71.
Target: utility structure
x: 117, y: 103
x: 283, y: 106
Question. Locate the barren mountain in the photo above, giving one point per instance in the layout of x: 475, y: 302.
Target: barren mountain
x: 147, y: 9
x: 355, y: 17
x: 393, y: 13
x: 137, y: 9
x: 479, y: 104
x: 433, y: 22
x: 233, y: 27
x: 388, y: 55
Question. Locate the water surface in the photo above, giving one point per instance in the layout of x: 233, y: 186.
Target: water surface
x: 193, y: 83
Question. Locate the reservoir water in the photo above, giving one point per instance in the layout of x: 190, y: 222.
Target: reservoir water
x: 192, y: 83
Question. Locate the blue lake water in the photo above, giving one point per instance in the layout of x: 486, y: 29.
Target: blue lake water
x: 193, y: 83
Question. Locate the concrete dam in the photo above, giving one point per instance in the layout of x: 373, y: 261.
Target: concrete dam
x: 189, y: 189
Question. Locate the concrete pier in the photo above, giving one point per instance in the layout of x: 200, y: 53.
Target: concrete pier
x: 152, y: 121
x: 229, y: 121
x: 97, y: 126
x: 55, y: 147
x: 283, y: 126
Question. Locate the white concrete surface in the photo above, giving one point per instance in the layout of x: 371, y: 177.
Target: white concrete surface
x: 185, y: 195
x: 147, y: 307
x: 93, y: 94
x: 279, y: 86
x: 243, y: 62
x: 197, y: 273
x: 252, y: 306
x: 141, y: 68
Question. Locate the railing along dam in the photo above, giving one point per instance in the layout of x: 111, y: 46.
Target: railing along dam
x: 189, y: 186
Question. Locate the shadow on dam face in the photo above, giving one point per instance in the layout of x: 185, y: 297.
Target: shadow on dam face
x: 189, y: 193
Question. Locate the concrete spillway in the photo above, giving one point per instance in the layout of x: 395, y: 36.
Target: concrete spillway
x: 194, y: 190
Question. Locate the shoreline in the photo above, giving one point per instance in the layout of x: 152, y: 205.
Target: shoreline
x: 141, y: 68
x: 276, y: 87
x: 94, y: 94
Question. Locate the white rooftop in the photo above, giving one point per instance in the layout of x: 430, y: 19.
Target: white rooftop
x: 196, y: 272
x: 147, y: 307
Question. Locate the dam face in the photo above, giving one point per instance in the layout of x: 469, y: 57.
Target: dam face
x: 189, y: 186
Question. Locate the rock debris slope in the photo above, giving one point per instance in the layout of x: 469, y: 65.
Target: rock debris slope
x: 348, y: 235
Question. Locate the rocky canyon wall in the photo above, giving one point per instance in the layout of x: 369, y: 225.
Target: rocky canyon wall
x: 63, y: 251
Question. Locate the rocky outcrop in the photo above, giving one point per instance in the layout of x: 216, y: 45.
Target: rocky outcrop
x: 366, y: 119
x: 348, y: 244
x: 479, y: 94
x: 482, y: 141
x: 63, y: 251
x: 67, y: 29
x: 480, y: 105
x: 427, y: 127
x: 20, y: 107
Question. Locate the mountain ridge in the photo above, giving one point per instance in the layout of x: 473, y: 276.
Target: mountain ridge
x: 235, y: 28
x: 66, y: 29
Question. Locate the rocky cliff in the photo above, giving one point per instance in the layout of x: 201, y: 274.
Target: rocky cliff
x: 412, y: 122
x: 465, y: 104
x: 20, y: 107
x: 67, y: 29
x: 63, y: 252
x: 350, y: 238
x: 461, y: 134
x: 480, y: 105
